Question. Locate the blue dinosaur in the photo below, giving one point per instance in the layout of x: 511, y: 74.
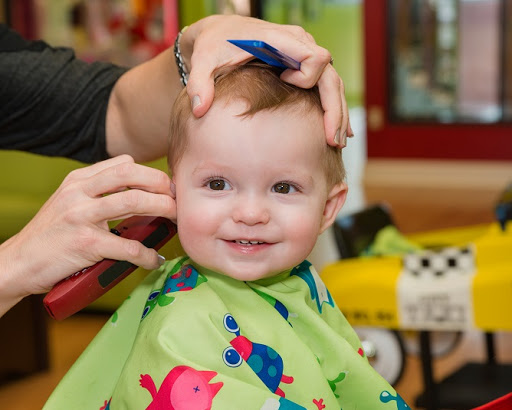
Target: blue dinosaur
x: 319, y: 292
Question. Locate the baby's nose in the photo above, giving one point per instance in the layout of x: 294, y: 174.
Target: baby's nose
x: 251, y: 211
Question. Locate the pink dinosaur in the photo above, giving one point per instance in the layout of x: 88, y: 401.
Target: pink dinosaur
x: 184, y: 388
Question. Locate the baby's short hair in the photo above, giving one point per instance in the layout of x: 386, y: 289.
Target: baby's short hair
x: 258, y: 85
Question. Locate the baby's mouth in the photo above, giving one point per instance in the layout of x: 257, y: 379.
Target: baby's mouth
x: 244, y: 242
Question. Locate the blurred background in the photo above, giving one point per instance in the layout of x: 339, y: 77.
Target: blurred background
x: 429, y: 90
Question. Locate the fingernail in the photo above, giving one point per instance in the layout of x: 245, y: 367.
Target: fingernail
x: 337, y: 137
x: 350, y: 131
x: 196, y: 101
x: 343, y: 142
x: 161, y: 260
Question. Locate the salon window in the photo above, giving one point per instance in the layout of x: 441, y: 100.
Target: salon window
x: 439, y: 79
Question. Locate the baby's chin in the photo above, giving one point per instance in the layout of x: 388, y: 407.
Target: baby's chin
x: 242, y: 272
x: 249, y: 276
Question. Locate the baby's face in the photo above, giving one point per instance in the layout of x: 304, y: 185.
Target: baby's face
x: 251, y: 192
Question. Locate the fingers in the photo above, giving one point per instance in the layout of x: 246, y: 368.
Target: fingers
x: 117, y: 189
x: 313, y: 61
x: 344, y: 118
x: 333, y: 103
x: 114, y: 189
x: 99, y: 166
x: 113, y: 247
x: 111, y: 190
x: 123, y: 175
x: 124, y: 204
x: 200, y: 89
x: 316, y: 69
x: 200, y: 86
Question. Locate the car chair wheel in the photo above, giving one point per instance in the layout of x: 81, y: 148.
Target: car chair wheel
x: 442, y: 342
x: 385, y: 351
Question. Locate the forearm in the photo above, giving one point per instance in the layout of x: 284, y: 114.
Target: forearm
x: 51, y: 102
x: 139, y: 109
x: 11, y: 276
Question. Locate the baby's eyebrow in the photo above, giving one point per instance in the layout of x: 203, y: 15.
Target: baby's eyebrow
x: 214, y: 163
x: 304, y: 177
x: 211, y: 166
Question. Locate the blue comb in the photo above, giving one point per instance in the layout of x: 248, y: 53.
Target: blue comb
x: 267, y: 53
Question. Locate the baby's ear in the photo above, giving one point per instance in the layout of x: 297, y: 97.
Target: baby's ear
x: 174, y: 218
x: 173, y: 188
x: 335, y: 201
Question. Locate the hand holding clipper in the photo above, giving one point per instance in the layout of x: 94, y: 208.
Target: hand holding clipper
x: 84, y: 287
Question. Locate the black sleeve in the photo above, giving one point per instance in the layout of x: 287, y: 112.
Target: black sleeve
x: 52, y: 103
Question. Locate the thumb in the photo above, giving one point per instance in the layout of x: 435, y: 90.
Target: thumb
x: 200, y: 89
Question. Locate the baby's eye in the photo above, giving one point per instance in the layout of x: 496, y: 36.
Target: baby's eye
x: 218, y: 185
x: 284, y: 188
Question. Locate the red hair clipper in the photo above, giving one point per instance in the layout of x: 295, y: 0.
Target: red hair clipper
x: 83, y: 287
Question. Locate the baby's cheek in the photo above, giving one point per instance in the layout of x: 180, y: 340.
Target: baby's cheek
x: 304, y: 234
x: 302, y: 222
x: 187, y: 229
x: 195, y: 229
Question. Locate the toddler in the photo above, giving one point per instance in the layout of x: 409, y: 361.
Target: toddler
x: 242, y: 321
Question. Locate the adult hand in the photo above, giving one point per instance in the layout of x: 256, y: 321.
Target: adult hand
x: 70, y: 231
x: 207, y: 38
